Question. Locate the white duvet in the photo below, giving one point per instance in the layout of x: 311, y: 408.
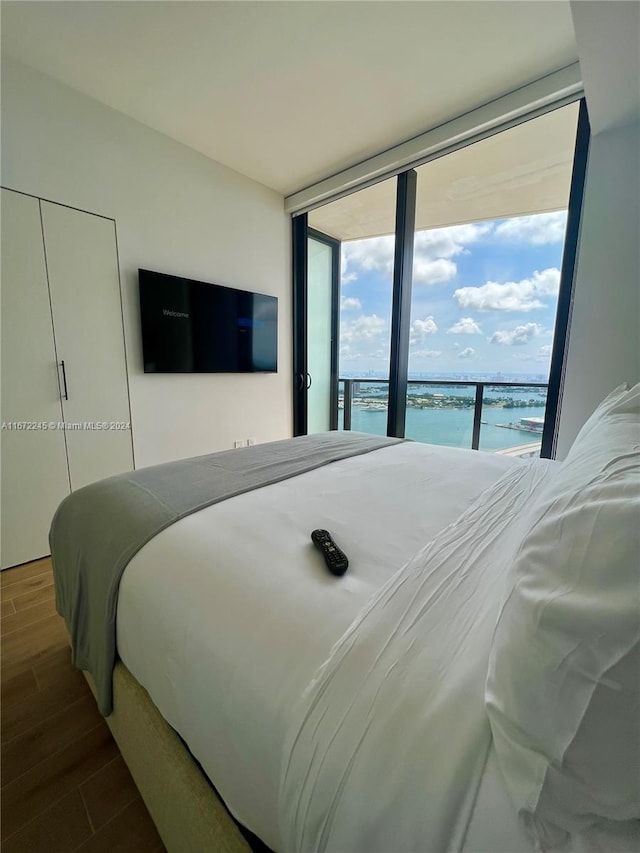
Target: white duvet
x: 388, y: 745
x: 271, y: 669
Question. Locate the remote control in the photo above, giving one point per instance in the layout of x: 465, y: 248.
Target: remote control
x: 336, y: 560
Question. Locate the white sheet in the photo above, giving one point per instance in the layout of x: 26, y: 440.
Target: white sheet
x: 393, y: 725
x: 495, y: 828
x: 225, y: 616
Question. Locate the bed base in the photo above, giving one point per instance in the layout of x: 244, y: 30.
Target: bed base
x: 187, y: 812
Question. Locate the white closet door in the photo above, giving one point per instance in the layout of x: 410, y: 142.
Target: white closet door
x: 34, y: 464
x: 87, y: 318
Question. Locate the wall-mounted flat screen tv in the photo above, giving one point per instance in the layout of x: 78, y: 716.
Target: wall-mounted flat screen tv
x: 193, y: 327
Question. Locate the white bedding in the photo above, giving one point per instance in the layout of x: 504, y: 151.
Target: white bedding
x: 393, y: 725
x: 229, y: 616
x: 226, y: 616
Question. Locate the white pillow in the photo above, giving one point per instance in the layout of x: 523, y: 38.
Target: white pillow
x: 601, y: 411
x: 563, y: 687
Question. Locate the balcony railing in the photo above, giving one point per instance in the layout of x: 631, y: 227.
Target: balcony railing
x: 349, y: 385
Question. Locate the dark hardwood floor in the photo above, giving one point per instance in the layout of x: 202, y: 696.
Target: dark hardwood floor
x: 65, y: 786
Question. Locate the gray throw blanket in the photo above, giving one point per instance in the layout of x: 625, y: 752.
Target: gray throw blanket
x: 99, y: 528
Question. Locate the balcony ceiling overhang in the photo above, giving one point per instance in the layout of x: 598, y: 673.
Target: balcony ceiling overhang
x: 524, y: 170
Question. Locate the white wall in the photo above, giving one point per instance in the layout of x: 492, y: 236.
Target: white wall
x: 176, y: 212
x: 606, y: 34
x: 604, y: 336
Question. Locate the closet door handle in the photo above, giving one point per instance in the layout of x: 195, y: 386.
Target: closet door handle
x: 309, y: 381
x: 64, y: 380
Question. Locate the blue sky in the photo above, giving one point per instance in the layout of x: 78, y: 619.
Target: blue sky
x: 484, y: 298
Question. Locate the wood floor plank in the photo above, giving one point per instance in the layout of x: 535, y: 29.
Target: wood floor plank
x: 6, y: 607
x: 10, y: 671
x: 64, y: 783
x: 28, y: 616
x: 132, y: 831
x: 18, y: 688
x: 21, y: 716
x: 27, y: 570
x: 27, y: 585
x: 60, y: 829
x: 49, y: 659
x: 54, y: 734
x: 54, y: 668
x: 34, y: 596
x: 107, y: 793
x: 40, y: 787
x: 28, y: 644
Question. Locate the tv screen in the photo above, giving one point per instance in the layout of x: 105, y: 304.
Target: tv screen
x: 193, y: 327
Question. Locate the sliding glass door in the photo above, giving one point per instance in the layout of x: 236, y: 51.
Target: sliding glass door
x: 322, y: 335
x: 316, y: 294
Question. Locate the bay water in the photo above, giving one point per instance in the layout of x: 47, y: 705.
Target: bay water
x: 453, y: 427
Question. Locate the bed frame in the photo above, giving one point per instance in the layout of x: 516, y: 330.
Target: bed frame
x: 188, y: 814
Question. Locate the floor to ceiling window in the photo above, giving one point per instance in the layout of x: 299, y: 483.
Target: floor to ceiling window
x: 490, y: 224
x: 485, y: 284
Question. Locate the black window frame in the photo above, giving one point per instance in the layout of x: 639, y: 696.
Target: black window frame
x: 401, y: 301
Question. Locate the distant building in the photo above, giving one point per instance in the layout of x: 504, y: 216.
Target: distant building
x: 532, y: 424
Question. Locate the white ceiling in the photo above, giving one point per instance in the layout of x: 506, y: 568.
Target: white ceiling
x: 291, y: 92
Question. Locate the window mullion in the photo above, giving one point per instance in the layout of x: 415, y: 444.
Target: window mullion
x: 401, y: 302
x: 565, y: 293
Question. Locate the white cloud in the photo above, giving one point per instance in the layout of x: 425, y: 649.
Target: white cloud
x: 433, y: 253
x: 348, y: 277
x: 433, y: 271
x: 350, y: 303
x: 366, y: 328
x: 375, y: 253
x: 538, y: 230
x: 426, y: 353
x: 348, y: 353
x: 513, y: 295
x: 465, y: 326
x: 466, y: 353
x: 450, y: 241
x: 424, y: 327
x: 517, y: 337
x: 421, y: 328
x: 544, y: 353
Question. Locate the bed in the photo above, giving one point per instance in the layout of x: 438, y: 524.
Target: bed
x: 446, y: 693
